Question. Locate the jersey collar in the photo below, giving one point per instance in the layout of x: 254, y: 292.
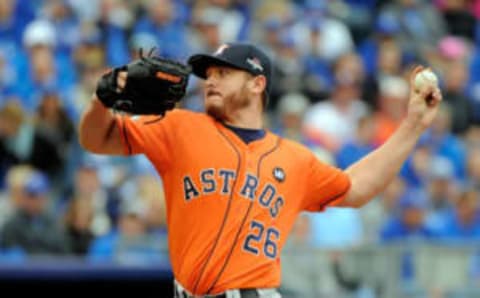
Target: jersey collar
x: 265, y: 143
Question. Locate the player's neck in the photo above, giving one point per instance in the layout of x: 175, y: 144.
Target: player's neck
x: 244, y: 123
x: 246, y: 119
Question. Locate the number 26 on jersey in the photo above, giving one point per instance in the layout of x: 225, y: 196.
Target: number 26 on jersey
x: 261, y: 240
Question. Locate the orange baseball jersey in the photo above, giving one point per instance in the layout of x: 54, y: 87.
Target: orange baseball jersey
x: 230, y: 205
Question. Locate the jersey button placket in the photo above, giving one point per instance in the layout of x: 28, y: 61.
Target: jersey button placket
x: 249, y: 160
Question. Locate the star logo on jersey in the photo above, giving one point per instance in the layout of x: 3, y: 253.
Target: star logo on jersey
x: 279, y: 174
x: 255, y: 63
x: 220, y: 49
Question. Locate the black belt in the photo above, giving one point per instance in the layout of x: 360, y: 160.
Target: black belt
x: 244, y: 293
x: 180, y: 292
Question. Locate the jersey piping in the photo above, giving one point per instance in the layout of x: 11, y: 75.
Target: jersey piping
x: 227, y: 211
x: 125, y: 136
x: 277, y: 144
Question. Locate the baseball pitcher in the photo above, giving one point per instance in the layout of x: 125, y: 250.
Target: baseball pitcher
x: 233, y: 189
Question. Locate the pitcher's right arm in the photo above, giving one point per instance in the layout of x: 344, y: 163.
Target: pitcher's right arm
x: 98, y: 131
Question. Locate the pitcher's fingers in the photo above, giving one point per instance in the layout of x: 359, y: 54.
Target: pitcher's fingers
x: 414, y: 72
x: 427, y: 90
x: 437, y: 96
x: 122, y: 79
x: 434, y: 98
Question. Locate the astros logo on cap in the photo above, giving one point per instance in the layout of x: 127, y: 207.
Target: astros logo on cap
x: 255, y: 63
x: 220, y: 49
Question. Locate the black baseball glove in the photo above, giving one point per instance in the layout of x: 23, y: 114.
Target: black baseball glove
x: 153, y: 86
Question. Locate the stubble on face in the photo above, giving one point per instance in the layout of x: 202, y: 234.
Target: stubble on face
x: 229, y: 104
x: 217, y: 111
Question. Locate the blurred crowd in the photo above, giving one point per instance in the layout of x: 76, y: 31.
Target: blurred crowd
x: 340, y: 87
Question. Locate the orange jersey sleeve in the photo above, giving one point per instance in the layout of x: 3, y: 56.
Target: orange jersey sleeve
x: 326, y: 186
x: 149, y: 135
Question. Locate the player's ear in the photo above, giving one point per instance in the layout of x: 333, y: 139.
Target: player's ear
x: 258, y: 84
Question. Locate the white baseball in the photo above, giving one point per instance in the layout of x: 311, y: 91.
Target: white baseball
x: 425, y: 77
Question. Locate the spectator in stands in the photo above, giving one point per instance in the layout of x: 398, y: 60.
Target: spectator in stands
x: 15, y: 180
x: 455, y: 81
x: 149, y: 189
x: 334, y: 121
x: 359, y: 146
x: 389, y: 63
x: 444, y: 143
x: 335, y: 38
x: 156, y: 217
x: 42, y: 66
x: 289, y: 73
x: 459, y: 18
x: 269, y: 32
x: 67, y: 26
x: 383, y: 38
x: 416, y: 169
x: 421, y: 25
x: 161, y: 21
x: 290, y: 112
x: 90, y: 51
x: 391, y: 107
x: 8, y: 74
x: 131, y: 243
x: 13, y: 19
x: 451, y: 50
x: 438, y: 140
x: 473, y: 168
x: 392, y: 195
x: 88, y: 190
x: 409, y: 224
x: 378, y: 211
x: 20, y: 141
x: 463, y: 223
x: 116, y: 17
x: 443, y: 190
x: 78, y: 221
x: 318, y: 78
x: 231, y: 23
x: 53, y: 135
x: 407, y: 227
x: 11, y: 119
x: 206, y: 34
x: 86, y: 13
x: 43, y: 143
x: 32, y: 228
x: 89, y: 59
x: 358, y: 15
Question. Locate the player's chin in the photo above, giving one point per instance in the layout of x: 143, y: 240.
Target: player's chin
x: 216, y: 111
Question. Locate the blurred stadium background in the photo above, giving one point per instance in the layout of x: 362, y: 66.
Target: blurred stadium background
x: 68, y: 217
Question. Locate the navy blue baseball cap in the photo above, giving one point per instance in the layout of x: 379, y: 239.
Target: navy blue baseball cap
x: 37, y: 184
x: 241, y: 56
